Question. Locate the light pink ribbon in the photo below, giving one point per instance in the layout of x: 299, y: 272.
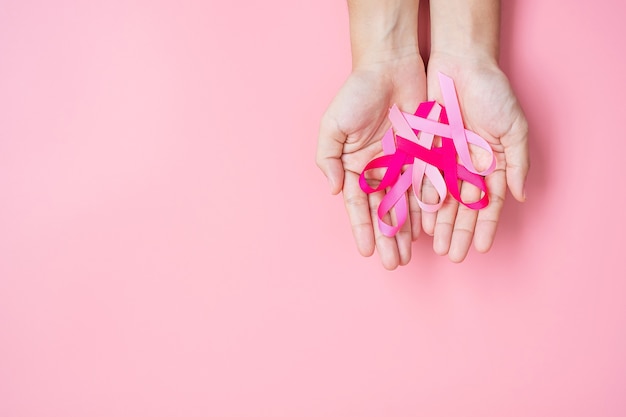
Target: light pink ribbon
x: 409, y: 143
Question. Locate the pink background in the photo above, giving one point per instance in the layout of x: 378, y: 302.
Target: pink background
x: 169, y: 248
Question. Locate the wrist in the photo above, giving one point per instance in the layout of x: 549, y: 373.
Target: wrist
x: 469, y: 29
x: 466, y: 48
x: 463, y: 61
x: 382, y: 31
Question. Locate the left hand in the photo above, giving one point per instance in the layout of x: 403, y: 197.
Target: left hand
x: 491, y: 110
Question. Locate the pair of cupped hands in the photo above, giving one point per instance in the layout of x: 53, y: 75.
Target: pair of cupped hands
x: 353, y: 125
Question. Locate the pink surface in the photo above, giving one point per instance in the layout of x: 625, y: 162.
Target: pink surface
x: 168, y: 248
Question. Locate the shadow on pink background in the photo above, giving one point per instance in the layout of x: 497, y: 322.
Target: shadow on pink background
x: 168, y: 247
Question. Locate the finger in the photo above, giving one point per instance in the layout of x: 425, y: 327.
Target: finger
x: 329, y: 150
x: 415, y: 216
x: 404, y: 237
x: 444, y: 225
x: 487, y: 222
x: 517, y: 157
x: 429, y: 196
x: 464, y: 224
x: 387, y: 247
x: 358, y: 208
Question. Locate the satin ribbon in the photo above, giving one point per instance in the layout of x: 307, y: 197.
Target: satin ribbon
x: 409, y: 157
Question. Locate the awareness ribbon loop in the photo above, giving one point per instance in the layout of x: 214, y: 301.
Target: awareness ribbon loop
x: 409, y: 143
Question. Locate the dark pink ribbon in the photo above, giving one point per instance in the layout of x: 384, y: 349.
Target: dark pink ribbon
x: 412, y: 148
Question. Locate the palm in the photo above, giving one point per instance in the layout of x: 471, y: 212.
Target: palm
x: 361, y: 107
x: 350, y: 136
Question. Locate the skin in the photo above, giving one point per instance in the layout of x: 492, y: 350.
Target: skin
x: 388, y: 69
x: 465, y: 45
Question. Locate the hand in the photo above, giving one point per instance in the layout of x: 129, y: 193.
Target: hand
x: 491, y: 110
x: 350, y: 136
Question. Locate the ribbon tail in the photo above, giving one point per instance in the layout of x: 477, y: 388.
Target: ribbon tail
x: 395, y: 198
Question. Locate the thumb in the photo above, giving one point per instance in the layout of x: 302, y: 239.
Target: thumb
x: 515, y: 144
x: 329, y: 150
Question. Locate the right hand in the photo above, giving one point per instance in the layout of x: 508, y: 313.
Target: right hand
x: 350, y: 136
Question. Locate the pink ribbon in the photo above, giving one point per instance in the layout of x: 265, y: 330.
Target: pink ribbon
x: 409, y: 144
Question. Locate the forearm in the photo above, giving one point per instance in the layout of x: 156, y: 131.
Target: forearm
x: 466, y: 28
x: 382, y: 30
